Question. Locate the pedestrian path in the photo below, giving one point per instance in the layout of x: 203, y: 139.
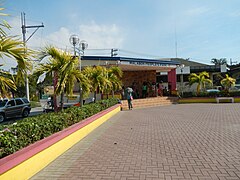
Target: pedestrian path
x: 188, y: 141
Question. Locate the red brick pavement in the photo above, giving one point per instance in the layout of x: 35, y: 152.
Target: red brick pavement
x: 192, y: 141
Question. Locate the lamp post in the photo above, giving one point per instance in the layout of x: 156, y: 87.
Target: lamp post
x: 74, y: 40
x: 82, y: 46
x: 181, y: 77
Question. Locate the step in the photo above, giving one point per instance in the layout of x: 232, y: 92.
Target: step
x: 150, y: 102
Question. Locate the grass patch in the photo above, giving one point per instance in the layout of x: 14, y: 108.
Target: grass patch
x: 35, y: 104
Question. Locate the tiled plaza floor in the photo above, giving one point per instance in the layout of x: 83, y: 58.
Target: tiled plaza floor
x: 192, y: 141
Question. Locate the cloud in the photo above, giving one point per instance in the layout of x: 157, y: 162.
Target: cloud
x: 96, y: 35
x: 101, y: 36
x: 235, y: 14
x: 197, y: 11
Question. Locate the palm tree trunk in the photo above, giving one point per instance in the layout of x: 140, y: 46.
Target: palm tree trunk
x: 112, y: 93
x: 62, y: 95
x: 55, y: 80
x: 198, y: 89
x: 95, y: 96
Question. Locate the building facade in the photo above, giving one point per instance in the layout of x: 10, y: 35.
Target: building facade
x: 136, y: 71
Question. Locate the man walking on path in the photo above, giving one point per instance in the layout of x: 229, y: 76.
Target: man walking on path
x: 129, y: 98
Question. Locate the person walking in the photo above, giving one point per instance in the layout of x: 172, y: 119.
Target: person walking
x: 129, y: 98
x: 144, y: 90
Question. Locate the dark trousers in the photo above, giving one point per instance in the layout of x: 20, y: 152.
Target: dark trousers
x: 130, y: 104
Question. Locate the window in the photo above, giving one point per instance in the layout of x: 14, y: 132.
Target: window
x: 18, y: 101
x: 25, y: 100
x: 11, y: 103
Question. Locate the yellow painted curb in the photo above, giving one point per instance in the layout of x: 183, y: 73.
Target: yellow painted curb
x: 31, y: 166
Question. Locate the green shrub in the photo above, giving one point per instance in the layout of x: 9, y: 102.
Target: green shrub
x: 18, y: 135
x: 211, y: 94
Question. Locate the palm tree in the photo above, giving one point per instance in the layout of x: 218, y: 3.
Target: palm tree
x: 12, y: 47
x: 114, y: 76
x: 97, y: 78
x: 202, y: 79
x: 228, y: 82
x: 65, y: 70
x: 219, y: 61
x: 6, y: 83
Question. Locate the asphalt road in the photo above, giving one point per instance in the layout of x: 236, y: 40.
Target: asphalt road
x: 33, y: 112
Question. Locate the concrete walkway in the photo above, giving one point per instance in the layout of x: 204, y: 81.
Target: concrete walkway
x: 192, y: 141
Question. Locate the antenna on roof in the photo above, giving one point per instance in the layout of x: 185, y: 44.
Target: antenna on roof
x: 175, y: 40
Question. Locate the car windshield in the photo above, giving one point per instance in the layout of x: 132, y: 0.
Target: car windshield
x: 3, y: 103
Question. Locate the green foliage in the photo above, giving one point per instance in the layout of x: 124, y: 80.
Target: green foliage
x: 104, y: 79
x: 219, y: 61
x: 23, y: 133
x: 12, y: 47
x: 211, y: 94
x: 6, y: 83
x: 35, y: 104
x: 65, y: 69
x: 201, y: 79
x: 228, y: 82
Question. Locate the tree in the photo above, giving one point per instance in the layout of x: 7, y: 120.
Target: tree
x: 202, y: 79
x: 103, y: 79
x: 65, y: 70
x: 97, y: 78
x: 6, y: 83
x: 219, y: 61
x: 114, y: 76
x: 12, y: 47
x: 228, y: 82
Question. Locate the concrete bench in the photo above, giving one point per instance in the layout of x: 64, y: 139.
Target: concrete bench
x: 224, y: 98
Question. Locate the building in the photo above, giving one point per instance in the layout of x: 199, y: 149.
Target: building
x: 137, y: 71
x: 187, y: 67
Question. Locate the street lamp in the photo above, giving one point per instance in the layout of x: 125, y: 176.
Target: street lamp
x: 181, y: 68
x: 82, y: 46
x: 74, y: 40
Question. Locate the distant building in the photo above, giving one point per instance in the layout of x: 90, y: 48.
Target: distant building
x: 189, y: 67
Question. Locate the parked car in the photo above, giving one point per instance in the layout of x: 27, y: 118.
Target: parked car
x: 213, y: 91
x: 14, y: 107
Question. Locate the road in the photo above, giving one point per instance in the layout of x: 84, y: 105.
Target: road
x: 34, y: 112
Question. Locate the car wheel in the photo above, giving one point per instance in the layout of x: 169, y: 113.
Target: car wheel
x: 2, y: 117
x: 25, y: 113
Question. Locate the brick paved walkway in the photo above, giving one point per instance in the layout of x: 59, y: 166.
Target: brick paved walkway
x: 193, y: 141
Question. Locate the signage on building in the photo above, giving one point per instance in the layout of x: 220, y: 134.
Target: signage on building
x: 140, y: 63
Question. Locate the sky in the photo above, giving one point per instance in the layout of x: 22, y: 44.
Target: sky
x: 196, y: 29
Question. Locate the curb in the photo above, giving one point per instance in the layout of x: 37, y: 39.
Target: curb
x: 28, y: 161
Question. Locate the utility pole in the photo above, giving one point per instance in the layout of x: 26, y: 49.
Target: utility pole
x: 231, y: 62
x: 24, y: 30
x: 114, y: 52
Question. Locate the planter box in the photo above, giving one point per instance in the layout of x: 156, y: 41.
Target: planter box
x: 204, y: 100
x: 28, y: 161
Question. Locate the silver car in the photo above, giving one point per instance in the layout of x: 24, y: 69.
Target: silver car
x: 14, y: 107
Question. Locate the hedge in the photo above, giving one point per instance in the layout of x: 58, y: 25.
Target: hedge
x: 18, y: 135
x: 211, y: 94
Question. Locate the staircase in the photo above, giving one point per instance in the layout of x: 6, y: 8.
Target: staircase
x: 150, y: 102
